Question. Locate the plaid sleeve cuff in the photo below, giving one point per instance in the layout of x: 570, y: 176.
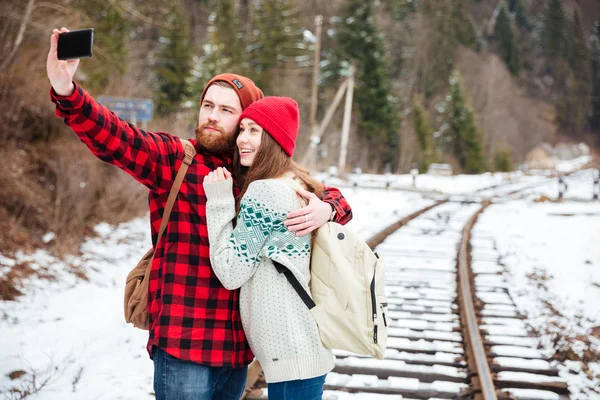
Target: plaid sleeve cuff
x: 65, y: 104
x: 343, y: 212
x: 335, y: 207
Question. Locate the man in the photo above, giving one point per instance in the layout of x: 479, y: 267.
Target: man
x: 195, y: 333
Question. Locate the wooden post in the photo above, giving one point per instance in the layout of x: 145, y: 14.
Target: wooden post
x: 331, y: 110
x: 315, y: 140
x: 346, y: 123
x: 596, y: 187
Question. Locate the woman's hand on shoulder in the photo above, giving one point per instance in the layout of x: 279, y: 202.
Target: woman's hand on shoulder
x: 218, y: 175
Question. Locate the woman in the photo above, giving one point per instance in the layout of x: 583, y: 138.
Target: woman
x: 280, y: 329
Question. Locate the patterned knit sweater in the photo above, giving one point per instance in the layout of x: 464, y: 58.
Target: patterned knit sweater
x: 280, y: 330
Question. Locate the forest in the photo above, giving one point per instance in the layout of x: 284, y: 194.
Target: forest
x: 476, y: 84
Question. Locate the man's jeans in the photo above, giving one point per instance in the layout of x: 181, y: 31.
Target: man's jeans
x: 176, y: 379
x: 304, y: 389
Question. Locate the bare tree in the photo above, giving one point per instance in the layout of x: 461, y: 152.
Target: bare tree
x: 7, y: 59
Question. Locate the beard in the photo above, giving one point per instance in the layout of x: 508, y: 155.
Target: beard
x: 215, y: 142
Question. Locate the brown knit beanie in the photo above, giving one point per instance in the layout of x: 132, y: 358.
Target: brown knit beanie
x: 246, y: 90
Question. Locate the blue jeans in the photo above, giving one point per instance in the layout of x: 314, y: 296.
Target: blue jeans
x: 304, y: 389
x: 176, y: 379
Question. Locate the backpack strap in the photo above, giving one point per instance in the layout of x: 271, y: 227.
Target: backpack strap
x: 294, y: 184
x: 188, y: 157
x: 282, y: 269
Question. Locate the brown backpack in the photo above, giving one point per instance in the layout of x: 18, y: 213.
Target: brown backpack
x: 136, y: 284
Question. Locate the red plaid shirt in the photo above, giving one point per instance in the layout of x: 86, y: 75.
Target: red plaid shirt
x: 192, y: 316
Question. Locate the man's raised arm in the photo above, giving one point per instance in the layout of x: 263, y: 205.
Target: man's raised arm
x: 333, y: 207
x: 149, y: 157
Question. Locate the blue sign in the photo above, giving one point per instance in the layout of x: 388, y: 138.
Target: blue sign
x: 130, y: 109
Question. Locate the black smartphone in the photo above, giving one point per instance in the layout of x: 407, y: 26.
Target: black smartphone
x: 75, y: 44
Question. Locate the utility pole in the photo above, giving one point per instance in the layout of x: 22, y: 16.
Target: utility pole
x: 346, y: 123
x: 315, y: 83
x: 311, y: 157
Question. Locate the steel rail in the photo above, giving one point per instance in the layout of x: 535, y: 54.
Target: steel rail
x: 477, y: 362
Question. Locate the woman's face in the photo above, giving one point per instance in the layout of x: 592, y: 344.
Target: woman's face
x: 248, y: 141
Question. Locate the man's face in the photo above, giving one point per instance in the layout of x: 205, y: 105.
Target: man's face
x: 218, y: 118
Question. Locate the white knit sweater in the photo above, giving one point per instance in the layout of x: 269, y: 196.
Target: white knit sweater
x: 281, y: 331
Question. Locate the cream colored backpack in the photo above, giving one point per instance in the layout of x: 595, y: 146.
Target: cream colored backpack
x: 347, y: 296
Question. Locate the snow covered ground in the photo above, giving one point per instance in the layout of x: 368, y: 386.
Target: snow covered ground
x: 70, y: 333
x: 551, y: 253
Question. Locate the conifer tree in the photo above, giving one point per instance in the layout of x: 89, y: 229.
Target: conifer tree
x: 400, y: 9
x: 466, y: 139
x: 424, y: 134
x: 172, y: 64
x: 595, y: 72
x: 581, y: 66
x: 563, y: 44
x: 554, y: 45
x: 506, y: 35
x: 503, y: 161
x: 578, y: 55
x: 517, y: 8
x: 575, y: 85
x: 450, y: 24
x: 276, y: 41
x: 462, y: 24
x: 225, y: 51
x: 111, y: 33
x: 359, y: 41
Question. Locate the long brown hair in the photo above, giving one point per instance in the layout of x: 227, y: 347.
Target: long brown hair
x: 270, y: 162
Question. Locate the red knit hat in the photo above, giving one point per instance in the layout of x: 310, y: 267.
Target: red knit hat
x: 246, y: 90
x: 279, y: 116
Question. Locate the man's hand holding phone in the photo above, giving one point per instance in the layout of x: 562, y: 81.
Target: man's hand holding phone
x: 61, y: 71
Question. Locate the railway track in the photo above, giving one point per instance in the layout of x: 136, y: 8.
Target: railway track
x: 454, y: 331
